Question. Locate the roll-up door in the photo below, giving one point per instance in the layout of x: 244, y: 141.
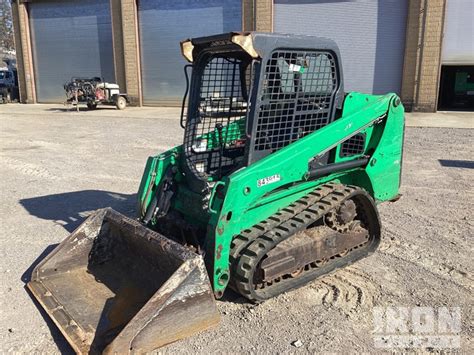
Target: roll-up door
x: 163, y: 24
x: 370, y: 35
x: 69, y: 39
x: 458, y: 41
x: 457, y: 71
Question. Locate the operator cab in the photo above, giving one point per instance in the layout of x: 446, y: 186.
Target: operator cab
x: 252, y: 94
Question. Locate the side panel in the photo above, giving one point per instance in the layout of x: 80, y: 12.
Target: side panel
x: 70, y: 38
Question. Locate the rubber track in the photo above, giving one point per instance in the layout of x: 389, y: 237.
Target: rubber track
x: 253, y: 244
x: 248, y: 235
x: 241, y: 241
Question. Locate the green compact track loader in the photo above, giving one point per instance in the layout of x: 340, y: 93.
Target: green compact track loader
x: 276, y: 184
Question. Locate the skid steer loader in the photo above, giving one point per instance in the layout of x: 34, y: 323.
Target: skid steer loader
x: 276, y: 183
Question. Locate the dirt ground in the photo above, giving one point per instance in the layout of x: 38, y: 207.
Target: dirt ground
x: 57, y: 166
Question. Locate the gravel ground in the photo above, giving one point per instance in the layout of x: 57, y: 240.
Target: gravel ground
x: 58, y: 166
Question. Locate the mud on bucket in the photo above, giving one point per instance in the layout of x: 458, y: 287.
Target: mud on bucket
x: 116, y: 286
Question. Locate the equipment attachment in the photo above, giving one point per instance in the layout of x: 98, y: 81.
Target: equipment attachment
x: 114, y: 285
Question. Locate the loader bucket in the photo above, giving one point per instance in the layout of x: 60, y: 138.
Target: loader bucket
x: 115, y: 286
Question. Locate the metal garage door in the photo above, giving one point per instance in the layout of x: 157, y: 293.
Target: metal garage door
x: 163, y: 24
x: 370, y: 34
x: 458, y: 42
x: 70, y: 38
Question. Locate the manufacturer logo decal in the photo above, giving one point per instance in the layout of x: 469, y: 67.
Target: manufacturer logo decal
x: 268, y: 180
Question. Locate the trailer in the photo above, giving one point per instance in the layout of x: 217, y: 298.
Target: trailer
x: 94, y: 91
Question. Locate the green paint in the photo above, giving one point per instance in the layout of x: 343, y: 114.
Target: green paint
x: 242, y: 203
x: 463, y: 83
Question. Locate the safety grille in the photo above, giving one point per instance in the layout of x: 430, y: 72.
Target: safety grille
x: 353, y: 146
x: 296, y: 98
x: 215, y: 138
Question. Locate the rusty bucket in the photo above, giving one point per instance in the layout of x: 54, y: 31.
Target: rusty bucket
x: 115, y: 286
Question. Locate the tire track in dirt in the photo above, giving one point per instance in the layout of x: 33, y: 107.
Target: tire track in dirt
x: 349, y: 290
x: 389, y: 239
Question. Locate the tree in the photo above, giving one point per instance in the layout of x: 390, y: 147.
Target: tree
x: 6, y: 26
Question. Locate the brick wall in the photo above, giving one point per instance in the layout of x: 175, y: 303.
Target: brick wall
x: 263, y: 15
x: 248, y: 8
x: 131, y: 53
x: 117, y: 39
x: 26, y: 79
x: 422, y: 62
